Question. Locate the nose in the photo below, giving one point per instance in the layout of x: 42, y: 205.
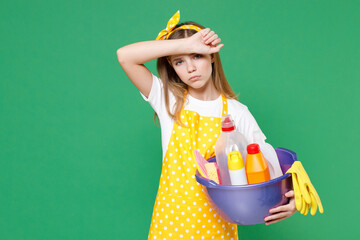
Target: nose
x: 191, y: 66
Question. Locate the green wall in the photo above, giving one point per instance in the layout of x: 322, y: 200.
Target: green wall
x: 80, y: 156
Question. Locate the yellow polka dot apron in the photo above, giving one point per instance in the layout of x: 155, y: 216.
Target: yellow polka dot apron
x: 181, y: 209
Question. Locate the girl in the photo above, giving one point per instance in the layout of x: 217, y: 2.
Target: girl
x: 189, y: 97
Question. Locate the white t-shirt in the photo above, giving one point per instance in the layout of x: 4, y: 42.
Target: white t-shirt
x: 244, y: 121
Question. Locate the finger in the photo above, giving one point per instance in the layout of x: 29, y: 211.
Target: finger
x: 292, y: 205
x: 208, y: 35
x: 289, y: 194
x: 216, y: 49
x: 219, y: 46
x: 284, y: 208
x: 274, y: 221
x: 277, y: 209
x: 216, y: 41
x: 212, y: 38
x: 276, y: 216
x: 205, y: 31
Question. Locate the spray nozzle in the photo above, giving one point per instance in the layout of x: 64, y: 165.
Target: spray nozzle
x: 227, y: 123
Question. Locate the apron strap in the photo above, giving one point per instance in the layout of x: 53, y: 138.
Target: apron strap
x: 225, y: 105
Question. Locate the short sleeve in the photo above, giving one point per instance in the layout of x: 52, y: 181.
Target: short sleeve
x: 247, y: 125
x: 155, y: 97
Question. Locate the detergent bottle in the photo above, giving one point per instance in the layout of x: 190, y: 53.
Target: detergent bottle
x: 270, y: 156
x: 236, y: 168
x: 256, y: 167
x: 228, y: 141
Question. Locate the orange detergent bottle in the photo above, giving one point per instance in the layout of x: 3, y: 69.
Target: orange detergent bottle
x: 257, y: 169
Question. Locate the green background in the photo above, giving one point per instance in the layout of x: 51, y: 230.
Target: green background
x: 80, y: 155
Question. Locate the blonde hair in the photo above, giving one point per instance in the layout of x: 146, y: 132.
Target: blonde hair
x: 172, y: 82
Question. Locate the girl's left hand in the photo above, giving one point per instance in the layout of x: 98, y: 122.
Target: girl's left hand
x: 282, y: 212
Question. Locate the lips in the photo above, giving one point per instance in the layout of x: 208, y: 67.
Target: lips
x: 193, y: 78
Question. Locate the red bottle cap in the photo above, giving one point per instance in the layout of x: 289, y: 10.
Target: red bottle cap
x: 253, y: 148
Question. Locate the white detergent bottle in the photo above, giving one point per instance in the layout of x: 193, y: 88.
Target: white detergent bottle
x: 270, y: 155
x: 229, y: 140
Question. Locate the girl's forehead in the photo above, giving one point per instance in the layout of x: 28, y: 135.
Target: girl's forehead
x: 179, y: 56
x: 174, y: 57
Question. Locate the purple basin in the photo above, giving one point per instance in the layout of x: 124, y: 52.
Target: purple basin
x: 250, y: 204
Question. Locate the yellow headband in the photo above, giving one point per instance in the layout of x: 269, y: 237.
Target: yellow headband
x: 164, y: 34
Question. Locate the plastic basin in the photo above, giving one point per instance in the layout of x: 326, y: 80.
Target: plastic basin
x: 250, y: 204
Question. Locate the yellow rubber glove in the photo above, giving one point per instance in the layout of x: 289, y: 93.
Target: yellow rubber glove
x: 313, y: 204
x: 314, y: 195
x: 305, y: 194
x: 314, y: 199
x: 303, y: 180
x: 300, y: 203
x: 297, y: 193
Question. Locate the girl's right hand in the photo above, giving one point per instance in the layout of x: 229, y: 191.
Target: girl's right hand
x: 205, y: 42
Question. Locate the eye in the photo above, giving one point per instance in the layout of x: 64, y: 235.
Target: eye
x: 177, y: 63
x: 197, y: 56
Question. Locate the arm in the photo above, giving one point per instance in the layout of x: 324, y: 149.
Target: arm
x: 132, y: 57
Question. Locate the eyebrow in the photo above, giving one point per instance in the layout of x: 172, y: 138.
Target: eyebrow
x: 175, y: 59
x: 178, y: 58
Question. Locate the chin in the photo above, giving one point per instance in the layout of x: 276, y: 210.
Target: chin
x: 197, y: 86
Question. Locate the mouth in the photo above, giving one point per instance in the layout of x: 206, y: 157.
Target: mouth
x: 193, y: 78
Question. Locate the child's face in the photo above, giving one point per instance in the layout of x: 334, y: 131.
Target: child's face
x: 190, y: 65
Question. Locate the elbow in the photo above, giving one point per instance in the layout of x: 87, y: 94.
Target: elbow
x: 118, y: 52
x: 122, y: 58
x: 120, y: 55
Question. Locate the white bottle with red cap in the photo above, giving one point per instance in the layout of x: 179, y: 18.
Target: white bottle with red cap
x: 228, y: 141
